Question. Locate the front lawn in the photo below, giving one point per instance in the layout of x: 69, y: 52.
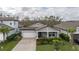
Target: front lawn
x: 8, y: 46
x: 44, y: 48
x: 62, y: 48
x: 11, y: 42
x: 55, y: 44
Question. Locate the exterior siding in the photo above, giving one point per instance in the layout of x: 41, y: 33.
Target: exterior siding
x: 1, y: 37
x: 11, y: 32
x: 48, y: 29
x: 13, y: 24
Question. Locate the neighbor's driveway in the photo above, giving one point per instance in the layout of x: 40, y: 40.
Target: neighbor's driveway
x: 26, y: 45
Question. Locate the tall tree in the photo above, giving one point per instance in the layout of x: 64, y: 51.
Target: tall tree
x: 47, y: 20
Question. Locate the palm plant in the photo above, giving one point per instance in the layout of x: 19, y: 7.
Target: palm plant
x: 71, y: 31
x: 4, y: 30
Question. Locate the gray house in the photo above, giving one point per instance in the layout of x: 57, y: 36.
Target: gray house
x: 39, y: 30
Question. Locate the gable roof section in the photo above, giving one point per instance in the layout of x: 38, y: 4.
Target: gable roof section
x: 68, y: 24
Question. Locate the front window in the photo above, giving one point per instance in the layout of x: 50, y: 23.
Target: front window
x: 42, y: 34
x: 52, y: 34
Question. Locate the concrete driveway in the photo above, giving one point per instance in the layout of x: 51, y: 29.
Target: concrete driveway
x: 26, y: 45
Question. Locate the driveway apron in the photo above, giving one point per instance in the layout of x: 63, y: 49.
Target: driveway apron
x: 26, y: 45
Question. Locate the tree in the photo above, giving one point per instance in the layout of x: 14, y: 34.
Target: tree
x: 47, y: 20
x: 26, y: 22
x: 71, y: 30
x: 4, y: 30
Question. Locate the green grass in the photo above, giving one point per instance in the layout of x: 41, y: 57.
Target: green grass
x: 8, y: 46
x: 44, y: 48
x: 67, y: 47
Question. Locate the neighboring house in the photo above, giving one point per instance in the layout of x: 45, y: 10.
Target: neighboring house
x: 10, y: 22
x: 68, y: 24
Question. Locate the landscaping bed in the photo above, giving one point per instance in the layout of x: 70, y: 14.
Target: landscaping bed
x: 48, y: 47
x: 56, y: 44
x: 10, y: 43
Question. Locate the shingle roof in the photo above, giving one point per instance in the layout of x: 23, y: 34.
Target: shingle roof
x: 28, y: 28
x: 34, y: 26
x: 67, y: 24
x: 37, y: 25
x: 8, y: 18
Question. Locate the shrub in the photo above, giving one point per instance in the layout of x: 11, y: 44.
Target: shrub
x: 14, y: 37
x: 46, y: 41
x: 50, y: 40
x: 57, y: 42
x: 64, y: 36
x: 42, y: 41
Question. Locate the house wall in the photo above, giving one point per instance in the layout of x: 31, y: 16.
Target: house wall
x: 13, y: 24
x: 11, y: 32
x: 77, y: 29
x: 1, y: 37
x: 48, y: 29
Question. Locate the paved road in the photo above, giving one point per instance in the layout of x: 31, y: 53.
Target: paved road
x: 26, y: 45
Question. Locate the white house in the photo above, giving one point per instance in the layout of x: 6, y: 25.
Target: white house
x: 10, y: 22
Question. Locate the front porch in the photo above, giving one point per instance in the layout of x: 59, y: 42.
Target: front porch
x: 47, y: 34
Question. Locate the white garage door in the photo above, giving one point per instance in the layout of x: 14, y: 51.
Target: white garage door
x: 28, y: 34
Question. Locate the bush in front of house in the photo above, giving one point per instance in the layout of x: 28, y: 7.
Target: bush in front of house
x: 42, y: 41
x: 57, y: 42
x: 50, y: 40
x: 64, y: 36
x: 46, y: 40
x: 15, y: 36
